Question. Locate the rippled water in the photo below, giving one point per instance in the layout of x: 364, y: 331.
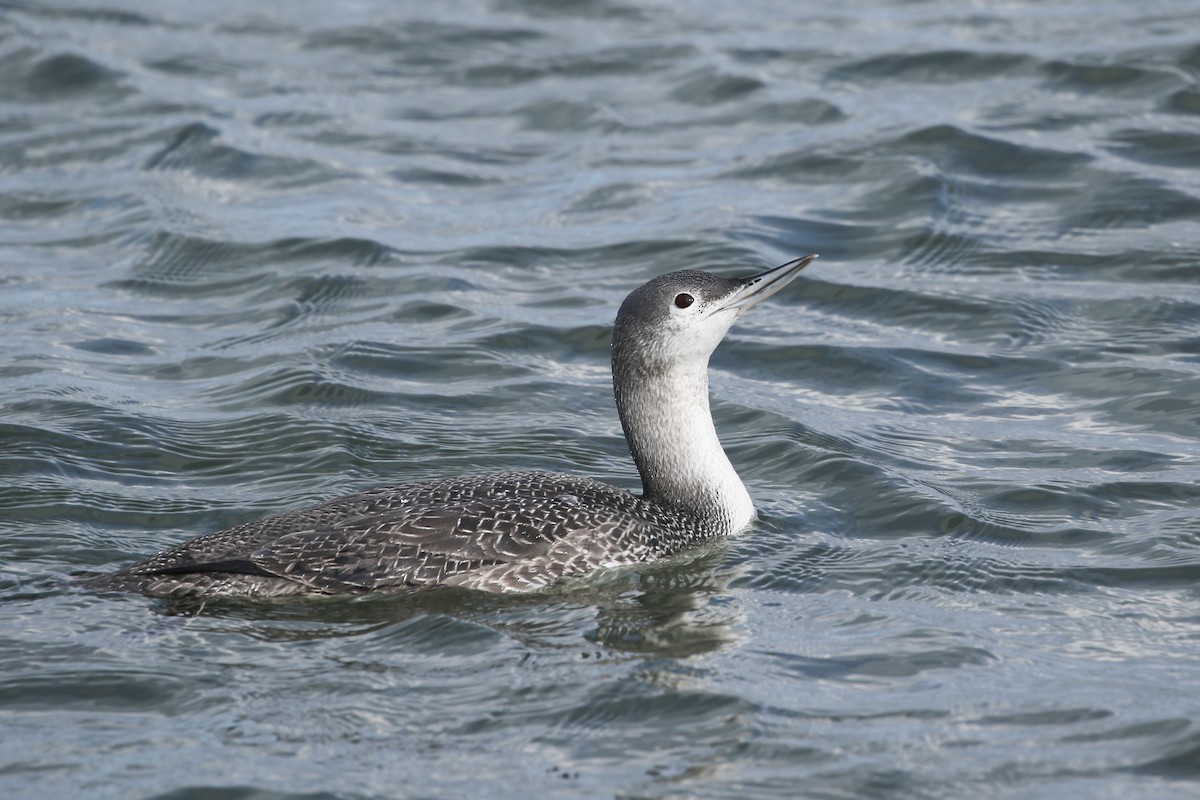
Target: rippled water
x: 255, y: 256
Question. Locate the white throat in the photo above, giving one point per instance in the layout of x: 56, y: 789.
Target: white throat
x: 669, y: 427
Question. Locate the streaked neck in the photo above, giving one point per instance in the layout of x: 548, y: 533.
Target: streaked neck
x: 665, y: 414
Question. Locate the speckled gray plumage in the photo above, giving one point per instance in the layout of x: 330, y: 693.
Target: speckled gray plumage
x: 513, y: 531
x: 501, y: 532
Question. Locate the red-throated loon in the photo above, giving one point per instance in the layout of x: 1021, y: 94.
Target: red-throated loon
x: 514, y: 531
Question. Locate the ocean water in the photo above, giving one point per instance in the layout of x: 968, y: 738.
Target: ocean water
x: 256, y: 255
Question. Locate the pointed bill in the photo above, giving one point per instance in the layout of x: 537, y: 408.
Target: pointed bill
x: 759, y: 287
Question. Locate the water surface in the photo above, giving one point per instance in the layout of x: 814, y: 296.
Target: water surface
x: 255, y: 256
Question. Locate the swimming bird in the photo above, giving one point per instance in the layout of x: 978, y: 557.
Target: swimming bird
x: 514, y: 531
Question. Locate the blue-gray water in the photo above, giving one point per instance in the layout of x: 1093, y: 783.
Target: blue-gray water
x: 254, y: 256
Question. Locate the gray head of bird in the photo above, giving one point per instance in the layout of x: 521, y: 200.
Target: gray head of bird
x: 678, y: 319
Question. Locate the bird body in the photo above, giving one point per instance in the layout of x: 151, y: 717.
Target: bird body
x: 513, y: 531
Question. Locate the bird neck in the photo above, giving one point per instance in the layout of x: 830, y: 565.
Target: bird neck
x: 665, y: 414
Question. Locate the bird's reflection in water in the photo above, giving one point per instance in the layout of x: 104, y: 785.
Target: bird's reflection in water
x: 673, y: 608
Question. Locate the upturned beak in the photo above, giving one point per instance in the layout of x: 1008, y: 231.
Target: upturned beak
x: 757, y: 288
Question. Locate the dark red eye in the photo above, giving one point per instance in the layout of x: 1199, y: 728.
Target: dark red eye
x: 684, y: 300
